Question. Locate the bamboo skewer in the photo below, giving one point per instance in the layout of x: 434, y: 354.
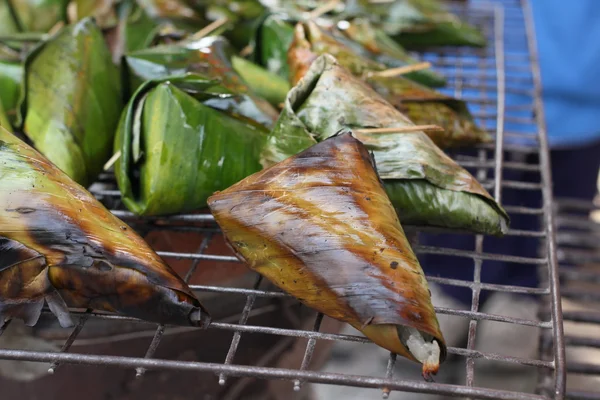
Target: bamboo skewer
x: 404, y: 129
x: 209, y: 28
x: 112, y: 160
x: 402, y: 70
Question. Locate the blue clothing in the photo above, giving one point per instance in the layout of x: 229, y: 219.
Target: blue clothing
x: 568, y: 36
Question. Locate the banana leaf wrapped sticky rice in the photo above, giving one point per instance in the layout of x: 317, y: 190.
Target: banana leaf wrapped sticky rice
x: 359, y: 39
x: 417, y: 23
x: 71, y: 100
x: 209, y: 56
x: 320, y: 226
x: 422, y: 105
x: 424, y: 184
x: 60, y: 246
x: 183, y: 137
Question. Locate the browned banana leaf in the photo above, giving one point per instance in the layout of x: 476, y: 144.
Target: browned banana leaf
x: 59, y: 245
x: 421, y: 104
x: 425, y: 185
x: 320, y: 226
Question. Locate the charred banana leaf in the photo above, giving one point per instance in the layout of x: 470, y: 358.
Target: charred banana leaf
x: 210, y: 56
x: 320, y: 226
x: 422, y: 105
x: 424, y: 184
x: 71, y: 100
x: 417, y: 23
x: 181, y: 139
x: 60, y: 246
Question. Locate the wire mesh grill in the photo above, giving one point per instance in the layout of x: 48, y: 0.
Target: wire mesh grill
x: 578, y: 232
x: 483, y: 77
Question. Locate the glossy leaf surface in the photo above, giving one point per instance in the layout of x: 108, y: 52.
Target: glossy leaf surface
x: 320, y: 226
x: 181, y: 139
x: 60, y: 245
x: 209, y: 56
x: 426, y: 186
x: 72, y: 100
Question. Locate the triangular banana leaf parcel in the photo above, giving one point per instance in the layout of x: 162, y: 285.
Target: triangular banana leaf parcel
x: 61, y: 246
x: 421, y: 104
x: 71, y: 100
x: 425, y: 185
x: 183, y: 137
x: 320, y: 226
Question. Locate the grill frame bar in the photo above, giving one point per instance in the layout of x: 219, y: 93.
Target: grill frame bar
x: 480, y: 163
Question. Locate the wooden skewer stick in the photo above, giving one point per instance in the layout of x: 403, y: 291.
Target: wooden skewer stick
x: 402, y: 70
x: 57, y: 27
x: 324, y: 9
x: 404, y: 129
x: 209, y: 28
x: 246, y: 51
x: 112, y: 160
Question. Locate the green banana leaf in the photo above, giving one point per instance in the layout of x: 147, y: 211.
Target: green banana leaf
x: 269, y: 86
x: 417, y: 23
x: 241, y: 16
x: 270, y: 42
x: 372, y: 43
x: 38, y: 15
x: 71, y: 100
x: 136, y: 28
x: 422, y: 105
x: 4, y: 122
x: 209, y: 56
x: 182, y: 138
x: 8, y: 25
x: 425, y: 185
x: 11, y: 75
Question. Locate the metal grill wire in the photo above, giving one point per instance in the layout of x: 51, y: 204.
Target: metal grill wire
x: 579, y: 256
x: 483, y: 78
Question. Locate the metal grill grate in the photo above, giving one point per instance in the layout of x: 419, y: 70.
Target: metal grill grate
x: 579, y: 257
x: 484, y: 78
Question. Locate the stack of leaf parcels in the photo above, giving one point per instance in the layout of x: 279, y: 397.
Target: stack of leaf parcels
x: 292, y: 124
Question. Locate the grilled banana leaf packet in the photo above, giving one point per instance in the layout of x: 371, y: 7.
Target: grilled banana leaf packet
x: 210, y: 56
x: 421, y: 104
x: 417, y: 23
x: 71, y: 100
x: 425, y: 185
x: 274, y: 33
x: 320, y: 226
x: 60, y: 246
x: 183, y: 137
